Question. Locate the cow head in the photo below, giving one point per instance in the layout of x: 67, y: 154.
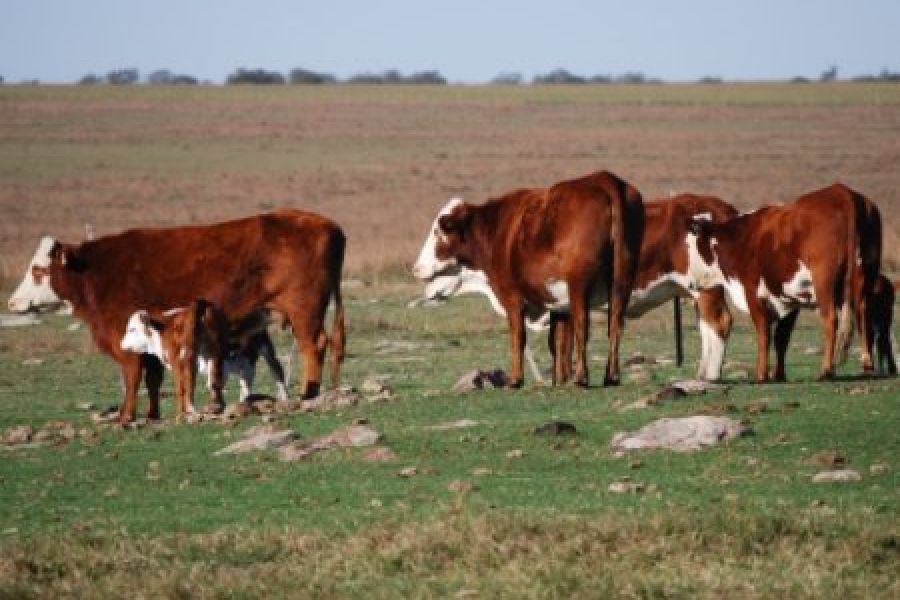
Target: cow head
x: 704, y: 270
x: 142, y: 334
x: 35, y: 292
x: 444, y: 241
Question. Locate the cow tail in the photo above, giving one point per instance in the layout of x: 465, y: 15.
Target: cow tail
x: 846, y: 319
x: 626, y: 207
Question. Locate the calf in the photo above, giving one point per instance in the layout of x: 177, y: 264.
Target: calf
x: 557, y: 250
x: 821, y: 251
x: 201, y: 332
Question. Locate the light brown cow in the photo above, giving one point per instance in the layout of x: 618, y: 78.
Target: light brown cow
x: 821, y: 251
x: 559, y: 249
x: 288, y: 261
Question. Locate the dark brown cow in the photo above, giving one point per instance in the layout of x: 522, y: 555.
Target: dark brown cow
x: 288, y: 261
x: 560, y: 249
x: 822, y: 250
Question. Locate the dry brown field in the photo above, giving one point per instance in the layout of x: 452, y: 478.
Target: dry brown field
x: 381, y: 160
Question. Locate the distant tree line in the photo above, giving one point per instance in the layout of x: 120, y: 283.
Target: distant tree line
x: 303, y: 76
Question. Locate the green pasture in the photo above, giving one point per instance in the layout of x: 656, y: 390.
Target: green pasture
x: 87, y: 517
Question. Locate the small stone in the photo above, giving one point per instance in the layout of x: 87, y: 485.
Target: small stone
x: 555, y: 428
x: 830, y: 459
x: 757, y: 408
x: 32, y: 362
x: 623, y: 486
x: 459, y: 486
x: 408, y: 472
x: 482, y: 472
x: 878, y: 469
x: 375, y: 384
x: 86, y: 406
x: 517, y: 453
x: 18, y: 435
x: 380, y: 454
x: 460, y: 424
x: 837, y: 476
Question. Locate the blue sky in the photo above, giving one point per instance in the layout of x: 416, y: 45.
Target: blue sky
x: 467, y: 41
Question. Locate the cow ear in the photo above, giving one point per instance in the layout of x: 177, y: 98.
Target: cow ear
x: 68, y: 256
x: 457, y: 221
x: 698, y: 226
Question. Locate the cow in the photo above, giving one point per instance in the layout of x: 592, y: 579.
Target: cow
x: 822, y: 251
x: 662, y: 274
x: 288, y: 261
x: 881, y: 305
x: 558, y: 250
x: 199, y: 338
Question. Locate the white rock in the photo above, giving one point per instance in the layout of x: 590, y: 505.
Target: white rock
x: 837, y: 476
x: 680, y: 434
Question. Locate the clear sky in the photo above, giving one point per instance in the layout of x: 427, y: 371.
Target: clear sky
x: 466, y: 40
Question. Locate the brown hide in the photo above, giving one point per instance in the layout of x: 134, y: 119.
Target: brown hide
x: 835, y: 231
x: 585, y: 232
x: 881, y: 306
x: 289, y: 261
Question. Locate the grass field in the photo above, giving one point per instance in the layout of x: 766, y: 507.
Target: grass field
x: 152, y: 513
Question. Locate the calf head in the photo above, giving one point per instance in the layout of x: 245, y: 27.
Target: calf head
x: 143, y: 335
x: 445, y: 245
x: 704, y: 269
x: 35, y: 293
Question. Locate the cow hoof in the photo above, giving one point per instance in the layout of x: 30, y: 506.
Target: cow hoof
x: 214, y: 408
x: 827, y: 376
x: 514, y: 384
x: 610, y: 381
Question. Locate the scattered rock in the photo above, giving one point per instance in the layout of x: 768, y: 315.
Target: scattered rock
x: 482, y: 472
x: 555, y: 428
x: 28, y: 319
x: 74, y: 326
x: 380, y: 454
x: 757, y: 408
x: 639, y: 359
x: 32, y: 362
x: 694, y: 387
x: 107, y: 415
x: 460, y: 424
x: 810, y: 350
x: 21, y: 434
x: 342, y: 397
x: 459, y: 486
x: 237, y: 410
x: 86, y: 406
x: 375, y: 384
x: 478, y: 380
x: 625, y: 486
x: 408, y: 472
x: 392, y: 346
x: 261, y: 437
x: 681, y: 434
x: 353, y: 436
x: 837, y: 476
x: 830, y: 459
x: 878, y: 469
x: 517, y: 453
x: 638, y: 376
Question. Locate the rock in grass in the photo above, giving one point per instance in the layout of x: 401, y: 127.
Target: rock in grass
x: 555, y: 428
x: 25, y: 320
x: 260, y: 438
x: 837, y: 476
x: 683, y: 434
x: 459, y: 424
x: 353, y: 436
x: 478, y: 379
x: 21, y: 434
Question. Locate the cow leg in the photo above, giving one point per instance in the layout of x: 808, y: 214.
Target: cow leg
x: 618, y: 302
x: 246, y: 369
x: 267, y: 349
x: 580, y: 328
x: 864, y: 323
x: 131, y: 369
x: 153, y: 377
x: 714, y: 322
x: 829, y: 317
x: 516, y: 317
x: 215, y: 383
x: 783, y: 330
x: 560, y: 347
x: 761, y: 323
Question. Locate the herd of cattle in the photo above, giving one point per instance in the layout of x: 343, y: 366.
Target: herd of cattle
x: 201, y: 297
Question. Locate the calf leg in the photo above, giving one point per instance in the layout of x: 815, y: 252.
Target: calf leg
x: 783, y: 329
x: 560, y: 343
x: 267, y: 349
x: 516, y: 318
x: 153, y: 377
x: 828, y: 315
x: 131, y: 370
x: 580, y: 328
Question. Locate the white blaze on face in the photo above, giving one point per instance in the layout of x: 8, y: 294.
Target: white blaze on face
x: 142, y: 338
x: 428, y: 264
x: 33, y: 294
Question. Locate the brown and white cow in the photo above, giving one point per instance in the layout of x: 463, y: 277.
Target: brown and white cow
x: 199, y: 337
x: 559, y: 249
x: 289, y: 261
x: 662, y: 274
x: 821, y: 251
